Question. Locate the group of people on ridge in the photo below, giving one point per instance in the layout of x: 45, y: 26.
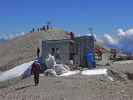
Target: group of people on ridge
x: 44, y: 28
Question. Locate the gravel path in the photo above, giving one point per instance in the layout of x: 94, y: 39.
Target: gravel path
x: 69, y: 88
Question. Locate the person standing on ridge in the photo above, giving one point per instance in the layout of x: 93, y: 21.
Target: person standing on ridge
x: 44, y: 28
x: 38, y: 29
x: 33, y: 30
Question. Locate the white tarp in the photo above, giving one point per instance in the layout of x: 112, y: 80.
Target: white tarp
x: 51, y: 72
x: 18, y: 71
x: 61, y: 68
x: 69, y: 73
x: 55, y: 69
x: 95, y: 72
x: 50, y: 62
x: 58, y: 70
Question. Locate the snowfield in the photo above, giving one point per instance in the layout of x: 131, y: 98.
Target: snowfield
x: 16, y: 72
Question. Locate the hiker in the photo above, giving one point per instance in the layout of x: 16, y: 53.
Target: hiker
x: 72, y: 53
x: 114, y: 53
x: 38, y: 52
x: 38, y: 29
x: 99, y: 53
x: 44, y: 28
x: 58, y: 56
x: 33, y: 30
x: 90, y: 59
x: 35, y: 71
x: 72, y: 35
x: 47, y: 26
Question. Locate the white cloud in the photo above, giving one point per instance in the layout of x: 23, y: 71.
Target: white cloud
x: 109, y: 39
x: 10, y: 36
x: 123, y: 40
x: 95, y: 36
x: 22, y: 33
x: 129, y: 32
x: 5, y: 36
x: 121, y: 32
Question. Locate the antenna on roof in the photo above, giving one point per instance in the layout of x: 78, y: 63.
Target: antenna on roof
x: 91, y: 31
x: 92, y: 34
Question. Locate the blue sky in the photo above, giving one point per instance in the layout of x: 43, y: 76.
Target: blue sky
x: 104, y: 16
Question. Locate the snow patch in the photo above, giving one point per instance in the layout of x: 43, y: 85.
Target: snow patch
x: 16, y: 72
x: 95, y: 72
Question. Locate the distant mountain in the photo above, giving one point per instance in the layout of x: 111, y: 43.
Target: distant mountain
x: 23, y: 49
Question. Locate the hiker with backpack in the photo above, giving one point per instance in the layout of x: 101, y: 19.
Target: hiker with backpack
x: 36, y: 71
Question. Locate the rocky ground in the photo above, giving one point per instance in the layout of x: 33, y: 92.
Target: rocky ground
x: 75, y: 87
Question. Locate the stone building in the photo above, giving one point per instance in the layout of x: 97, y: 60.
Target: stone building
x: 65, y: 50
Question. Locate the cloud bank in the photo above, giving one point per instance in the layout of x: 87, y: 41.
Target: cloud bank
x: 4, y: 36
x: 122, y: 41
